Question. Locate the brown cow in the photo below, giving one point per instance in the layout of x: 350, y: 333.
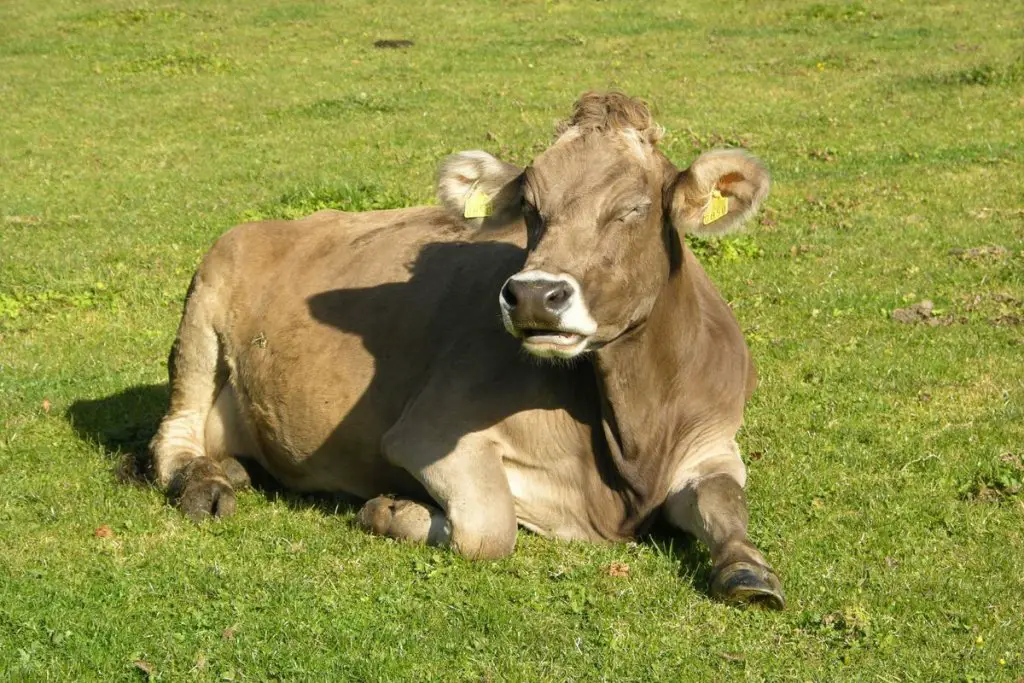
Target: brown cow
x: 397, y: 352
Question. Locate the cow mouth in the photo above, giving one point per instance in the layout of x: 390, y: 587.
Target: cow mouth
x: 556, y: 337
x: 543, y: 342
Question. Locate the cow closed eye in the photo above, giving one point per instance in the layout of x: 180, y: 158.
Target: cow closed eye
x: 633, y: 213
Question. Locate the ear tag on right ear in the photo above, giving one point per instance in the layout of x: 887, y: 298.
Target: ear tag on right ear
x: 716, y: 208
x: 478, y: 204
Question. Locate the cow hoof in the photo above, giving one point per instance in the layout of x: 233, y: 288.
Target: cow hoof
x: 236, y: 473
x: 405, y: 520
x: 375, y: 516
x: 205, y: 493
x: 744, y: 583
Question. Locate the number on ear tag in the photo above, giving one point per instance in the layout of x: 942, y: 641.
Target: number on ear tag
x: 478, y: 205
x: 716, y: 208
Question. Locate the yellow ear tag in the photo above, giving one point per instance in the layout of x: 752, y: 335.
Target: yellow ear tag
x: 478, y: 204
x: 716, y: 208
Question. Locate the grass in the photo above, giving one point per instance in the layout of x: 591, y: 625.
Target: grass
x: 884, y: 458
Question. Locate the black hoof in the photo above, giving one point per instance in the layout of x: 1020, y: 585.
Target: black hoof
x: 236, y: 473
x: 203, y: 492
x: 743, y: 583
x: 204, y: 498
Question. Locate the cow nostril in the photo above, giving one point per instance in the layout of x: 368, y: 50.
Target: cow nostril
x: 558, y: 296
x: 508, y: 296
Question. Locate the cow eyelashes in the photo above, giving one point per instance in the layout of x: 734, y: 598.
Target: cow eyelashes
x: 634, y: 212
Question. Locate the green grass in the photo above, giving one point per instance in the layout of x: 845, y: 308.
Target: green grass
x: 883, y: 483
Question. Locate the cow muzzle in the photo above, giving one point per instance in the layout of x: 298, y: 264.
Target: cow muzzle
x: 547, y: 312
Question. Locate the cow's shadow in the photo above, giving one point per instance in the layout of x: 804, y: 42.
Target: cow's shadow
x: 439, y: 350
x: 693, y: 558
x: 122, y: 424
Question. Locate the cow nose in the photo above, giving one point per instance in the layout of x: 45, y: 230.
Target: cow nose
x: 553, y: 295
x: 535, y: 302
x: 556, y: 298
x: 508, y: 297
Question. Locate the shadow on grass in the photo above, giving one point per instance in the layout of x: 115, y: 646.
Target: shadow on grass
x: 123, y: 424
x: 693, y: 558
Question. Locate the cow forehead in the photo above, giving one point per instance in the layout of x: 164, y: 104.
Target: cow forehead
x: 593, y: 166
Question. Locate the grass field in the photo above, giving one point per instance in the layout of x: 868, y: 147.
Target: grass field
x: 884, y: 456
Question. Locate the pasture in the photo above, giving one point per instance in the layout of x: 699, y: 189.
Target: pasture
x: 884, y: 443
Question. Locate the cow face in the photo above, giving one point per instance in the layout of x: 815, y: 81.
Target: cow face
x: 604, y: 211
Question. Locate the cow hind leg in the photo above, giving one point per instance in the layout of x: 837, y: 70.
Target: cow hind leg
x: 713, y: 508
x: 197, y: 482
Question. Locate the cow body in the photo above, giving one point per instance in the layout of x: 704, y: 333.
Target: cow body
x: 371, y: 354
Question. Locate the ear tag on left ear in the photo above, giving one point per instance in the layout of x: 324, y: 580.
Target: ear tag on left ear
x: 478, y: 204
x: 716, y: 208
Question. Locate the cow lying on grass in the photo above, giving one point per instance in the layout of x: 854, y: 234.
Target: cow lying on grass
x: 423, y: 360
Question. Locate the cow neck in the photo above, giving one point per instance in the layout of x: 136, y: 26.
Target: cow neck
x: 638, y: 377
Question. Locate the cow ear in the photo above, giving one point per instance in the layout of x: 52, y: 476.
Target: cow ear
x: 479, y: 189
x: 719, y: 192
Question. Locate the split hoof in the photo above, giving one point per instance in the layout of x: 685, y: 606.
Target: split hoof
x: 744, y: 583
x: 204, y: 492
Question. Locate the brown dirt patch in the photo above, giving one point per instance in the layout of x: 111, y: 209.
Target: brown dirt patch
x: 1001, y: 310
x: 618, y: 570
x: 922, y: 313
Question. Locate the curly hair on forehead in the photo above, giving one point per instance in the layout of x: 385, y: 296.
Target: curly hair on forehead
x: 611, y: 111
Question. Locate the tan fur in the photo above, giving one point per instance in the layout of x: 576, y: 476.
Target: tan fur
x: 364, y: 353
x: 607, y: 112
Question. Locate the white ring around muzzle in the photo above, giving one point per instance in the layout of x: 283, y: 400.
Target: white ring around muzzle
x: 575, y: 318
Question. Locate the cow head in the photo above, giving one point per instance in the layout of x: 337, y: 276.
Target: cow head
x: 605, y: 211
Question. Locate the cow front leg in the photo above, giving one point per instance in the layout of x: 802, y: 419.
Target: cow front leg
x: 465, y: 476
x: 713, y: 508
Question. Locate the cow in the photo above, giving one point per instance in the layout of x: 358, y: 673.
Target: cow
x: 541, y: 350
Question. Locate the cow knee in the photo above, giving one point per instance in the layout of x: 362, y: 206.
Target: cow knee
x: 483, y: 534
